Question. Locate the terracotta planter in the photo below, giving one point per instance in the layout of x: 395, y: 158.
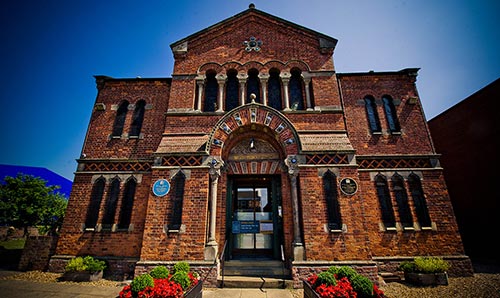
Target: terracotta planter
x: 82, y: 276
x: 308, y: 290
x: 196, y: 291
x: 427, y: 279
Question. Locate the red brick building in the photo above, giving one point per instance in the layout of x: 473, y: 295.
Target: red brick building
x: 257, y: 150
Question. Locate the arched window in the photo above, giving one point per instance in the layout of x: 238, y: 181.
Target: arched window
x: 137, y: 118
x: 332, y: 201
x: 211, y: 87
x: 274, y: 89
x: 384, y: 200
x: 253, y: 85
x: 390, y: 114
x: 296, y: 95
x: 127, y: 204
x: 417, y: 195
x: 95, y: 203
x: 372, y: 114
x: 121, y: 114
x: 111, y: 202
x: 179, y: 182
x: 232, y: 88
x: 402, y: 201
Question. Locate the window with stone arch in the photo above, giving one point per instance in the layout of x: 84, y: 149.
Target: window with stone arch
x: 417, y: 195
x: 253, y: 85
x: 384, y: 199
x: 95, y: 203
x: 296, y: 86
x: 372, y: 114
x: 274, y: 89
x: 121, y: 114
x: 127, y: 203
x: 330, y: 191
x: 177, y: 199
x: 398, y: 187
x: 232, y: 90
x: 110, y: 204
x: 391, y: 114
x: 211, y: 89
x: 137, y: 119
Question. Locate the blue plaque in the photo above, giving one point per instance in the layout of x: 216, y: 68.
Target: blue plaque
x: 161, y: 187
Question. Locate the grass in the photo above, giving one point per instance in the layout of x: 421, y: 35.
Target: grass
x: 13, y: 244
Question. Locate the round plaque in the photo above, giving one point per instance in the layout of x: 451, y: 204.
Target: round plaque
x: 161, y: 187
x: 348, y: 186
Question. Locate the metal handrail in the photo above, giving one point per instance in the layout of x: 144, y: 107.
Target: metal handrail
x: 283, y: 265
x: 222, y: 258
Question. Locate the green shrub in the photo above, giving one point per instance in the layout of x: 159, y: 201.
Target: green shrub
x: 181, y: 267
x: 88, y: 263
x: 141, y: 282
x: 159, y: 272
x: 343, y: 271
x: 407, y: 266
x: 326, y: 278
x: 362, y: 285
x: 431, y: 265
x: 182, y: 278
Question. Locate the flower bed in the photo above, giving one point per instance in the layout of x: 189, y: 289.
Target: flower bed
x: 340, y: 282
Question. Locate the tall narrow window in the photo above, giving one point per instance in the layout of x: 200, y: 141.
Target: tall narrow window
x: 390, y: 114
x: 402, y: 201
x: 127, y: 204
x: 274, y: 89
x: 137, y: 118
x: 296, y: 94
x: 121, y: 114
x: 179, y: 182
x: 211, y: 87
x: 95, y: 203
x: 371, y: 113
x: 232, y: 88
x: 110, y: 207
x: 417, y: 195
x: 253, y: 85
x: 332, y: 201
x: 384, y: 199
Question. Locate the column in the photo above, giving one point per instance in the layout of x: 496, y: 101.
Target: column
x: 221, y: 80
x: 293, y: 171
x: 242, y: 78
x: 285, y: 78
x: 307, y: 79
x: 211, y: 248
x: 263, y: 82
x: 200, y: 81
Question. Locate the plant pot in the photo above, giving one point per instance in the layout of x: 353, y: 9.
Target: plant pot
x: 196, y: 291
x: 308, y: 290
x: 82, y: 276
x: 426, y: 279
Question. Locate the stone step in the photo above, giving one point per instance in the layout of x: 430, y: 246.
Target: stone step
x: 391, y: 277
x: 255, y: 268
x: 254, y: 282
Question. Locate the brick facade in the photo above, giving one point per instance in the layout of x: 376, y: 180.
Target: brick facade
x: 321, y: 131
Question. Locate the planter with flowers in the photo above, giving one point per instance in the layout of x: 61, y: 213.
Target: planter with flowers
x: 161, y: 283
x: 83, y: 269
x: 340, y: 281
x: 426, y: 271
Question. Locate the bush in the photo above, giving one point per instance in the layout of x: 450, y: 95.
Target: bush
x: 182, y: 278
x: 362, y: 285
x: 181, y: 267
x: 141, y: 282
x: 425, y: 265
x: 88, y: 263
x: 343, y: 271
x: 159, y: 272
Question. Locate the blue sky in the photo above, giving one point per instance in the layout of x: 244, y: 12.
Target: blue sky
x: 50, y: 50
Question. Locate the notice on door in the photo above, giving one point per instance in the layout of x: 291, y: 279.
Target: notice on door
x: 245, y: 226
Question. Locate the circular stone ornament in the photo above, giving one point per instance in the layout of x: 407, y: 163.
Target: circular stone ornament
x: 348, y: 186
x: 161, y: 187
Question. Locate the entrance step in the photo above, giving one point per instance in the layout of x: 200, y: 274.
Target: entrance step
x: 391, y: 277
x: 254, y: 282
x: 256, y: 268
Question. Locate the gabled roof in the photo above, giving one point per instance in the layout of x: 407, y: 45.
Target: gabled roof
x: 325, y: 40
x: 43, y: 173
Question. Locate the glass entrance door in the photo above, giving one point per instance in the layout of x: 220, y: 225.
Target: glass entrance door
x: 254, y: 219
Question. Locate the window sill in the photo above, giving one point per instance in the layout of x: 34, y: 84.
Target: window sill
x: 395, y: 133
x: 336, y: 231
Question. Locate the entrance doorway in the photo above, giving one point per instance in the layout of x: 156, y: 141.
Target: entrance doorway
x: 254, y: 219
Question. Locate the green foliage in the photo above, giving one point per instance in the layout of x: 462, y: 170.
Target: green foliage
x: 326, y: 278
x: 159, y: 272
x: 407, y: 266
x: 431, y: 265
x: 27, y: 201
x: 88, y: 263
x: 182, y: 278
x: 343, y: 271
x: 181, y: 267
x: 362, y: 285
x: 141, y: 282
x: 13, y: 244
